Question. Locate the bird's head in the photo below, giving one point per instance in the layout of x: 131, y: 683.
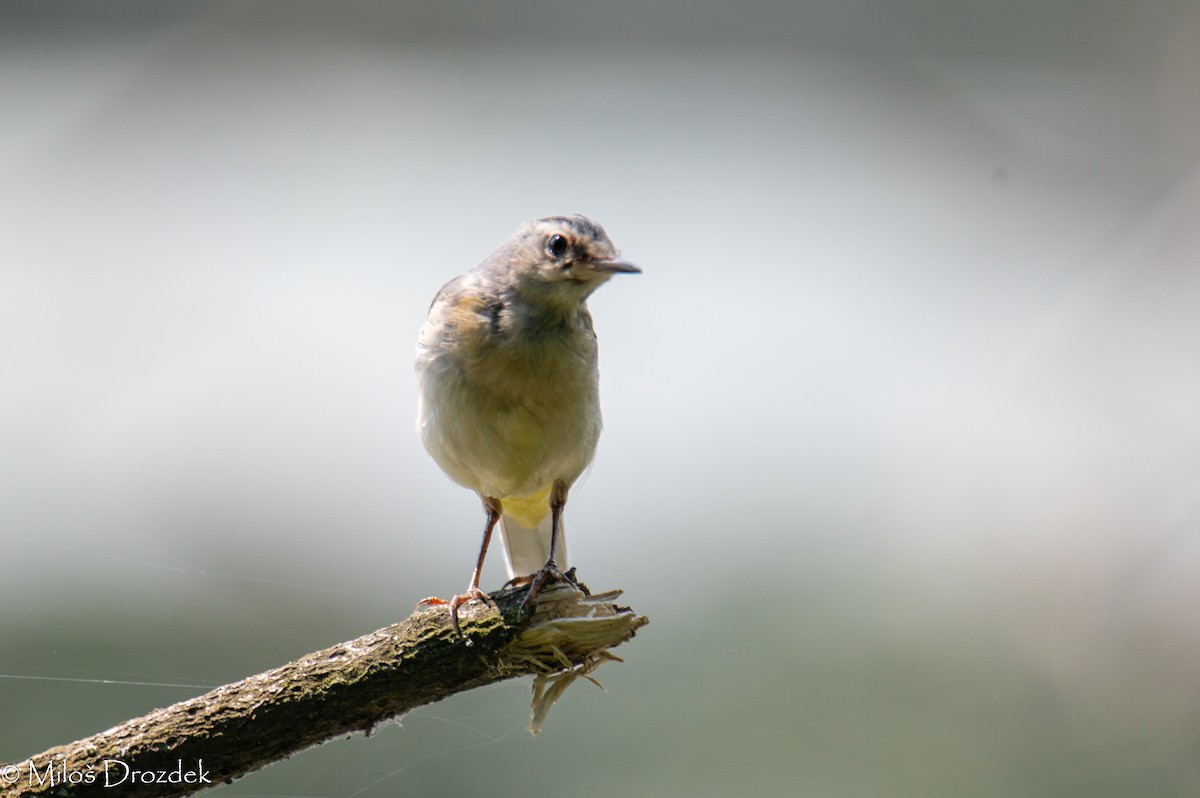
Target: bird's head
x: 561, y: 258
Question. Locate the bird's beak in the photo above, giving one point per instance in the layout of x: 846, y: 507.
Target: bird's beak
x: 614, y: 266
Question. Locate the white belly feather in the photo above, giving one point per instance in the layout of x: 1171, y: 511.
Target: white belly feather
x: 507, y: 431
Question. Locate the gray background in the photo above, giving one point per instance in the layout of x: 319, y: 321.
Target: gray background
x: 902, y: 452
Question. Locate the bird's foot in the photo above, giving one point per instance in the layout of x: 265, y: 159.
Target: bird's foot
x: 472, y: 594
x: 568, y: 576
x: 536, y: 582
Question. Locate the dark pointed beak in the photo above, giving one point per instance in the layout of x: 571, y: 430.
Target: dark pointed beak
x: 614, y: 266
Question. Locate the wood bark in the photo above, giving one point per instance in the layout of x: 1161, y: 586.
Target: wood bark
x: 350, y: 687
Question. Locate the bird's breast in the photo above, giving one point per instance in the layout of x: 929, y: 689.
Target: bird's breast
x: 509, y: 414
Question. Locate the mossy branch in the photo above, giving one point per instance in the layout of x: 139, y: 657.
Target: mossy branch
x: 241, y: 727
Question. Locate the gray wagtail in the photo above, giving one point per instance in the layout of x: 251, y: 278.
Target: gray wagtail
x: 509, y: 389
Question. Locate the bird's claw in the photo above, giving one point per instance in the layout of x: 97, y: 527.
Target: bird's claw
x: 549, y: 573
x: 568, y: 576
x: 472, y: 594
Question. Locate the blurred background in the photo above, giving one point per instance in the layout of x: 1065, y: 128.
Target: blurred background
x: 902, y: 454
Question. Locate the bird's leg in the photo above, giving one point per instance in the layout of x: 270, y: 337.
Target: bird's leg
x: 493, y: 509
x: 558, y: 500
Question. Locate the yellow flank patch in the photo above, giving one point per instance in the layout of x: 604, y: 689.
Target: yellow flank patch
x: 530, y: 510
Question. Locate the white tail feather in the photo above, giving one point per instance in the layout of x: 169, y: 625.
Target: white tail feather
x: 526, y: 550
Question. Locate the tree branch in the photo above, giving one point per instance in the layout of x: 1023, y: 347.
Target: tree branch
x: 241, y: 727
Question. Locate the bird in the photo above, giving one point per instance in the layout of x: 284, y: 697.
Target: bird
x: 509, y: 402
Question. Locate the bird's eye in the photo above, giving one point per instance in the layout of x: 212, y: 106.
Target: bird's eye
x: 556, y: 246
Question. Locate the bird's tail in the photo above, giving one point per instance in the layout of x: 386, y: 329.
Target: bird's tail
x: 526, y: 548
